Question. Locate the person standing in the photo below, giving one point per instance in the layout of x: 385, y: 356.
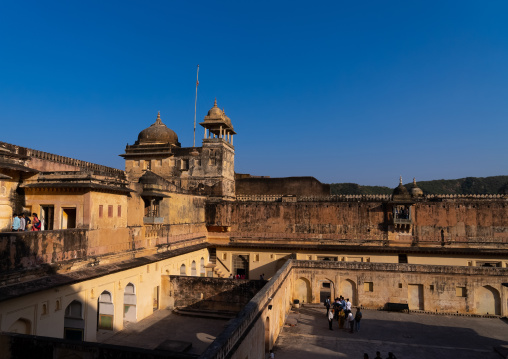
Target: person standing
x: 330, y: 319
x: 378, y: 355
x: 15, y: 222
x: 342, y: 318
x: 351, y: 322
x: 327, y: 305
x: 358, y: 317
x: 27, y: 222
x: 36, y: 226
x: 22, y: 223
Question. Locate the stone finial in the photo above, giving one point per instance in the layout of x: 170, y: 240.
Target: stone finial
x: 215, y: 103
x: 414, y: 181
x: 158, y: 121
x: 400, y: 180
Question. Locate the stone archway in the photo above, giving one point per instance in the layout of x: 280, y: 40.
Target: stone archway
x: 193, y: 269
x: 21, y: 326
x: 74, y: 324
x: 487, y: 300
x: 129, y: 304
x: 303, y: 291
x: 348, y: 290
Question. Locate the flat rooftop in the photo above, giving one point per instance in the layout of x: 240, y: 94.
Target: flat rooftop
x: 164, y: 325
x: 415, y: 336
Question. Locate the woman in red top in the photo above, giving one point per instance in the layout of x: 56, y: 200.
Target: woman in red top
x: 36, y: 223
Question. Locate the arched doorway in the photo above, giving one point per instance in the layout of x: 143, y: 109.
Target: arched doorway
x: 488, y: 300
x: 183, y: 270
x: 21, y: 326
x: 129, y: 303
x: 106, y: 311
x: 193, y: 269
x: 202, y: 272
x: 348, y: 290
x: 303, y: 291
x: 74, y: 324
x: 267, y: 335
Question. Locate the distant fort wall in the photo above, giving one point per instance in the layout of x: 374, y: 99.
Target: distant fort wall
x: 296, y: 186
x: 436, y: 220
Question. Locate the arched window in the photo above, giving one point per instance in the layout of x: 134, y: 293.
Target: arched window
x: 202, y: 267
x: 129, y: 303
x: 183, y: 270
x: 106, y: 311
x: 74, y: 324
x: 193, y: 269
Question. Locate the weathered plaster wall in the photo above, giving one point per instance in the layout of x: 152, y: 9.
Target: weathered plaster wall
x: 212, y: 293
x: 465, y: 223
x: 24, y: 250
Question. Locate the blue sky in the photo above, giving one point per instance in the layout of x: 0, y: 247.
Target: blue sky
x: 346, y: 91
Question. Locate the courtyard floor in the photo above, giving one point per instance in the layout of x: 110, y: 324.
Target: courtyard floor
x: 411, y: 335
x: 164, y: 325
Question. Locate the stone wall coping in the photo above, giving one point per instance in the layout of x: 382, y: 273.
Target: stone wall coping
x: 327, y: 245
x: 365, y: 198
x: 405, y: 268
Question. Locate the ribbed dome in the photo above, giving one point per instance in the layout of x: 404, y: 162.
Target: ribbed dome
x: 157, y: 133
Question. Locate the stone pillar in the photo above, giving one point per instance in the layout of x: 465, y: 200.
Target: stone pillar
x: 231, y: 139
x: 205, y: 133
x: 220, y: 132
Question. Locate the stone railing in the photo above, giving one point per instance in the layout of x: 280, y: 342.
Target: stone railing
x: 95, y: 168
x: 225, y: 344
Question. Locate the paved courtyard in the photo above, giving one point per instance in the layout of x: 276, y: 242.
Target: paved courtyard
x: 164, y: 325
x: 412, y: 335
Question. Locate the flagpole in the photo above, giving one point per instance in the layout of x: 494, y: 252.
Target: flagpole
x: 195, y: 105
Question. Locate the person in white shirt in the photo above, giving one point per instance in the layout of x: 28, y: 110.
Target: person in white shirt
x: 351, y: 321
x: 22, y: 224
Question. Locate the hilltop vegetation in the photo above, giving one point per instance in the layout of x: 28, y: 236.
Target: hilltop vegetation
x: 468, y: 185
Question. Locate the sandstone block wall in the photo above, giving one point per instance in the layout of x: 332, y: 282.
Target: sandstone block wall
x: 459, y: 223
x: 212, y: 293
x: 24, y: 250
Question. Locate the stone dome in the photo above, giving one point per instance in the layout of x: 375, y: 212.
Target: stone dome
x: 158, y: 133
x: 400, y: 192
x: 415, y: 190
x: 215, y: 112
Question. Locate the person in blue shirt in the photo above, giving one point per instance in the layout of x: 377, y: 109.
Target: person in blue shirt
x: 16, y: 222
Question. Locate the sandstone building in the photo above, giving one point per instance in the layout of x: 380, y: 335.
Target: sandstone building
x: 117, y: 244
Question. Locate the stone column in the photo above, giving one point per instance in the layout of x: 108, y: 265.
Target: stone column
x: 205, y: 133
x: 231, y: 139
x: 220, y: 132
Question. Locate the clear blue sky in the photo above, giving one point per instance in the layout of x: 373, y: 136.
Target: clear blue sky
x: 346, y: 91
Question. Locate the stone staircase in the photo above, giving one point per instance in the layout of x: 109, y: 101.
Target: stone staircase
x: 218, y: 270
